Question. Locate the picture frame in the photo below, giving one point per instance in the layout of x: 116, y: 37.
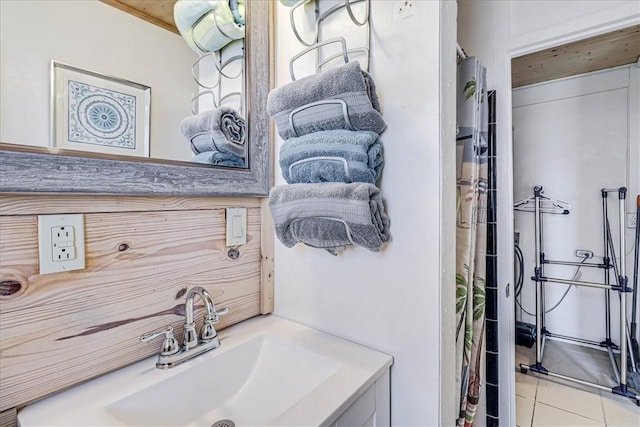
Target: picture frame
x: 98, y: 113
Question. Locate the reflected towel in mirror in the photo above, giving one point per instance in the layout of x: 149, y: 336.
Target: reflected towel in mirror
x: 221, y: 129
x: 329, y: 215
x: 209, y: 25
x: 332, y: 156
x: 219, y: 159
x: 355, y: 106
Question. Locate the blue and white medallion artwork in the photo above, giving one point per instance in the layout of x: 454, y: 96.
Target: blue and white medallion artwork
x: 100, y: 116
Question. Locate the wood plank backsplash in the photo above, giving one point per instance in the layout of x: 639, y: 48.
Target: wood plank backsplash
x: 57, y: 330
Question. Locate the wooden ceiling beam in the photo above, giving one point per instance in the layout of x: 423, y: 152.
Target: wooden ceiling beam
x: 158, y: 12
x: 608, y: 50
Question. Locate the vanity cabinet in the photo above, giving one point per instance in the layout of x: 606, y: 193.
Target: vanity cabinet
x: 372, y: 408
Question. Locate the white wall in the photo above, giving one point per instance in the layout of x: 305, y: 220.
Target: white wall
x: 572, y: 136
x: 393, y: 300
x: 495, y: 31
x: 97, y: 37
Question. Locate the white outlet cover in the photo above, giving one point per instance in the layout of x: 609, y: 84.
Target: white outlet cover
x: 48, y: 228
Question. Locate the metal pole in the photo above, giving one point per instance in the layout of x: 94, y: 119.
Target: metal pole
x: 576, y: 283
x: 623, y: 294
x: 634, y: 304
x: 536, y: 191
x: 543, y: 316
x: 605, y: 260
x: 574, y: 264
x: 568, y: 338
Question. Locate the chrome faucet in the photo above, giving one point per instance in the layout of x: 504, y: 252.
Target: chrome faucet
x: 171, y: 353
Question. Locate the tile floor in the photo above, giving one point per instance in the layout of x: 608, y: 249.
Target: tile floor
x: 553, y: 402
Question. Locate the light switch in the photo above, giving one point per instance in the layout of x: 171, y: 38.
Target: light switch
x: 236, y: 226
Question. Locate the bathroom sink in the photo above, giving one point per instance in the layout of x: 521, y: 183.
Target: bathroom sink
x: 255, y: 381
x: 267, y: 371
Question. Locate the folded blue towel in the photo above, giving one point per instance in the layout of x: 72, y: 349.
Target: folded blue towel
x: 332, y: 156
x: 329, y: 215
x: 343, y: 97
x: 219, y: 158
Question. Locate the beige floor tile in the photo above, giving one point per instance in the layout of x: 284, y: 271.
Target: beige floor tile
x: 583, y: 403
x: 526, y: 385
x: 619, y: 413
x: 524, y: 411
x: 544, y: 415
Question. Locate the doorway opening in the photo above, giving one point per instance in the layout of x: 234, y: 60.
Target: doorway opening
x: 576, y: 132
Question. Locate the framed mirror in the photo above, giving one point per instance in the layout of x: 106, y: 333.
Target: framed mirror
x: 31, y: 168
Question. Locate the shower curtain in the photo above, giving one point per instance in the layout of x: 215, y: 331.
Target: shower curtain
x: 471, y: 234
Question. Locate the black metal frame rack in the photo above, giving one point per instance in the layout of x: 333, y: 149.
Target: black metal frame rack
x: 620, y: 285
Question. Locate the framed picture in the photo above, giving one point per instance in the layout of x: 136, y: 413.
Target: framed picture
x: 98, y: 113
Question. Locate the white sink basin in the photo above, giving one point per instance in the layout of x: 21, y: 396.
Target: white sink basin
x: 253, y: 382
x: 268, y: 371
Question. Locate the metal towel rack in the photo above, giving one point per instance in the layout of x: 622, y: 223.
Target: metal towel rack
x: 215, y: 89
x: 339, y: 160
x: 332, y: 251
x: 339, y: 102
x: 316, y: 42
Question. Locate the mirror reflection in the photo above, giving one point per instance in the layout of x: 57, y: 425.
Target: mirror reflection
x: 123, y: 86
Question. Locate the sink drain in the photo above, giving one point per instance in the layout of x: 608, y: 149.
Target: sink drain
x: 224, y: 423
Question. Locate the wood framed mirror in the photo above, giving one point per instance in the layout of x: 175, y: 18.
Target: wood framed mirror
x: 48, y: 170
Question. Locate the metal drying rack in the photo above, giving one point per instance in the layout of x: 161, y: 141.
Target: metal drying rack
x: 620, y: 285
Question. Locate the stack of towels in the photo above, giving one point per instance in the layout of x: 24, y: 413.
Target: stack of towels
x: 332, y: 159
x: 217, y: 137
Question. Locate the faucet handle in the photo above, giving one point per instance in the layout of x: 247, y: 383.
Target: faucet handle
x: 169, y: 345
x: 208, y: 331
x: 214, y: 318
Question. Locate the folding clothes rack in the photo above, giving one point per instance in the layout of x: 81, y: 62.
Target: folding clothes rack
x: 619, y: 285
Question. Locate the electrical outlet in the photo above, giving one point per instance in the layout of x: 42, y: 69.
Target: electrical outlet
x: 63, y: 243
x: 403, y: 9
x: 60, y: 243
x: 631, y: 220
x: 583, y: 253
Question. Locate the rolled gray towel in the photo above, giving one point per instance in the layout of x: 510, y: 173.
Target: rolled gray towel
x: 332, y: 156
x: 329, y: 215
x: 221, y: 129
x: 347, y: 83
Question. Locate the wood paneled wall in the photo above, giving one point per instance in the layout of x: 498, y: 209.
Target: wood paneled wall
x: 142, y: 253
